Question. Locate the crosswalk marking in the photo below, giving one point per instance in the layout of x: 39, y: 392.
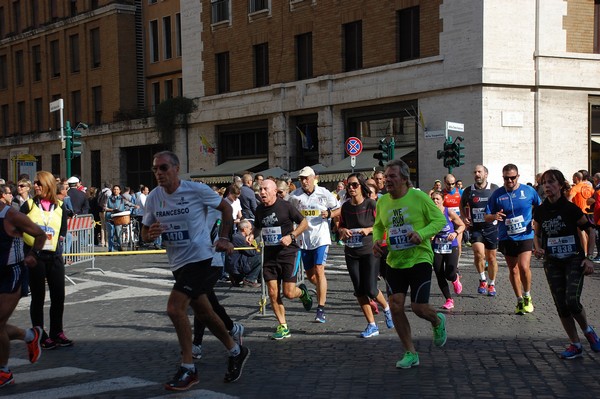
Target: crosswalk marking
x: 196, y: 394
x: 49, y: 374
x: 89, y: 388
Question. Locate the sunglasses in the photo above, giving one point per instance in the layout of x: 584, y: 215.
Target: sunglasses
x: 37, y: 182
x: 163, y: 168
x: 22, y: 185
x: 280, y: 192
x: 511, y: 178
x: 451, y: 184
x: 353, y: 185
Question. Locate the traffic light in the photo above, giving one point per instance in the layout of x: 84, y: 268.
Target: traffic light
x: 384, y: 155
x: 459, y: 155
x: 75, y: 143
x: 452, y: 153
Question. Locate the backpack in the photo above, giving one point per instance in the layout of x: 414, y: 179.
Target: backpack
x: 103, y: 198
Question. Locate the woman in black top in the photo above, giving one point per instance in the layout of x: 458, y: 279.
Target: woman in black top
x: 556, y: 240
x: 356, y: 230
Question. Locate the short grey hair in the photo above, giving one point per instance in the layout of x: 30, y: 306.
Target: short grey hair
x: 174, y: 159
x: 402, y: 168
x: 243, y: 224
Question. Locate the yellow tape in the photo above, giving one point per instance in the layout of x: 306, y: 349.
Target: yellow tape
x: 144, y: 252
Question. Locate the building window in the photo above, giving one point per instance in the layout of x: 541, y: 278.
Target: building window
x: 596, y: 26
x: 352, y: 46
x: 168, y: 89
x: 95, y: 47
x: 167, y: 38
x: 76, y: 107
x: 54, y: 58
x: 222, y: 61
x: 19, y: 67
x: 21, y: 117
x: 17, y: 16
x: 55, y: 164
x: 155, y: 95
x: 304, y: 56
x: 2, y: 29
x: 56, y: 115
x: 3, y: 72
x: 261, y: 65
x: 258, y: 5
x: 94, y: 4
x: 238, y: 142
x: 53, y: 10
x: 152, y: 1
x: 219, y: 10
x: 73, y: 8
x: 179, y: 87
x: 178, y: 34
x: 408, y: 34
x: 5, y: 120
x: 97, y: 104
x: 38, y: 109
x: 74, y: 52
x: 37, y: 63
x: 153, y: 41
x: 35, y: 13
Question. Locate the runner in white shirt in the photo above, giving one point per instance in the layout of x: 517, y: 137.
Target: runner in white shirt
x: 177, y: 210
x: 317, y: 205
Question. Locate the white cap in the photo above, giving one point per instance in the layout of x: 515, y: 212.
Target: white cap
x: 306, y: 171
x: 73, y: 180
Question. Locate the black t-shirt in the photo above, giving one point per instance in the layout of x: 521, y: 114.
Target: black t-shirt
x: 476, y: 200
x: 356, y: 217
x: 558, y: 223
x: 277, y: 221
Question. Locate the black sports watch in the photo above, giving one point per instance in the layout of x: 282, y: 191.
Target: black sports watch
x: 36, y: 253
x: 293, y: 236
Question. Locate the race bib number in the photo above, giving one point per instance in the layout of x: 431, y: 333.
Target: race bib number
x: 176, y: 234
x: 561, y: 247
x: 271, y: 235
x: 515, y: 225
x: 441, y: 245
x: 455, y: 209
x: 311, y: 213
x: 356, y: 241
x: 478, y: 215
x: 399, y: 237
x: 49, y: 231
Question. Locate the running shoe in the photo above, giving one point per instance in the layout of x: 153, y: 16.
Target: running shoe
x: 48, y: 344
x: 320, y: 316
x: 593, y: 339
x: 236, y: 365
x: 237, y: 333
x: 482, y: 287
x: 370, y: 331
x: 457, y: 285
x: 183, y: 380
x: 439, y: 332
x: 281, y: 333
x: 528, y: 304
x: 571, y: 352
x: 389, y: 322
x: 491, y: 290
x: 520, y: 309
x: 374, y: 307
x: 34, y: 348
x: 449, y: 304
x: 251, y: 284
x: 62, y: 340
x: 409, y: 360
x: 197, y: 351
x: 306, y: 299
x: 6, y: 378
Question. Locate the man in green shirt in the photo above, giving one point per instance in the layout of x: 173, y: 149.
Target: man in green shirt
x: 409, y: 219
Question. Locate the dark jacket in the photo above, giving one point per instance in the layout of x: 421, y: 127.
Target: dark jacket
x: 79, y: 200
x: 239, y: 261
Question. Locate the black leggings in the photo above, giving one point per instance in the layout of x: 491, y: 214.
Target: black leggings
x: 363, y: 270
x: 199, y: 326
x: 445, y: 267
x: 52, y: 271
x: 565, y: 279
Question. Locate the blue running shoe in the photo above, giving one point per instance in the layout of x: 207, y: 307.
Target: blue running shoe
x: 370, y: 331
x: 593, y: 339
x: 571, y: 352
x: 389, y: 322
x: 320, y: 316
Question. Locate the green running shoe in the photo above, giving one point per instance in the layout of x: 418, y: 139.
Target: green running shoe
x: 439, y: 332
x: 520, y: 309
x: 527, y: 304
x: 305, y: 297
x: 281, y: 333
x: 409, y: 360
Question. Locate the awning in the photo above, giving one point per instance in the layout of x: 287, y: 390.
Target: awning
x: 596, y: 139
x: 318, y: 168
x: 364, y: 163
x: 223, y: 173
x: 276, y: 172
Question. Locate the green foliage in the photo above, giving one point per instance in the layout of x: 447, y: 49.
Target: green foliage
x: 167, y: 113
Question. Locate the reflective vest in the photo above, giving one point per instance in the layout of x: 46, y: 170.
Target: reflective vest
x: 50, y: 221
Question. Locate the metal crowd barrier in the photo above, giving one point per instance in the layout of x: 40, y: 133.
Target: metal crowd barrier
x: 79, y: 242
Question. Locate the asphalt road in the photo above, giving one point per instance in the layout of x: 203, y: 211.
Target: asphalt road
x: 125, y: 345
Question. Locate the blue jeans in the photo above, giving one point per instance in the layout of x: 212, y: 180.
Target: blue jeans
x: 114, y: 236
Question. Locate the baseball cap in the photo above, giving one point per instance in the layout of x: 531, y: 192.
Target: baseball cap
x: 73, y: 180
x: 306, y: 171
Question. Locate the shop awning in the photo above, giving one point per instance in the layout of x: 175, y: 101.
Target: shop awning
x: 364, y: 163
x: 223, y: 173
x: 596, y: 139
x: 318, y: 168
x: 276, y: 172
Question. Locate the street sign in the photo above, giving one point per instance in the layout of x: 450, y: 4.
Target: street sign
x: 352, y: 161
x: 56, y: 105
x: 353, y: 146
x: 455, y: 126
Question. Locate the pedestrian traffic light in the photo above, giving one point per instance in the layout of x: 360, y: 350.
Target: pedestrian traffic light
x: 384, y: 155
x: 75, y: 143
x: 72, y: 143
x: 458, y: 149
x: 452, y: 153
